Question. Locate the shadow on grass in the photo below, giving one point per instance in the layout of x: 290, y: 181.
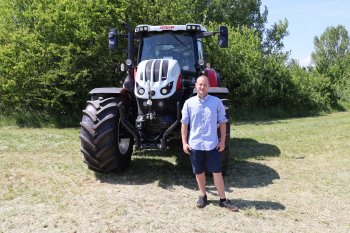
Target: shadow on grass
x: 160, y: 166
x: 245, y: 148
x: 258, y: 205
x: 153, y: 168
x: 247, y: 174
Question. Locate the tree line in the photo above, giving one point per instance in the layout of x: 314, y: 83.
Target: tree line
x: 53, y: 53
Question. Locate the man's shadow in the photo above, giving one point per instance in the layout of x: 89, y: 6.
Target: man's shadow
x: 246, y: 173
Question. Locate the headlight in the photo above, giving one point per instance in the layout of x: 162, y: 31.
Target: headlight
x: 141, y: 91
x: 165, y: 90
x: 160, y: 104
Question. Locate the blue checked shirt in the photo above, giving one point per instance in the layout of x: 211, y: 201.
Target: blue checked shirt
x: 202, y: 117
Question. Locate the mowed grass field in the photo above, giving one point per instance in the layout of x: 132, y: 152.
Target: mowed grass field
x: 285, y: 175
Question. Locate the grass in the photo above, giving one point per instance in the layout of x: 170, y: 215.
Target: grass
x: 35, y: 119
x: 285, y: 175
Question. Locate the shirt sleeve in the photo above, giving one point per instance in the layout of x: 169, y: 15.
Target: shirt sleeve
x: 185, y: 114
x: 221, y: 113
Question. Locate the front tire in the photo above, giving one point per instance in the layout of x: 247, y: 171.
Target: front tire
x: 105, y: 143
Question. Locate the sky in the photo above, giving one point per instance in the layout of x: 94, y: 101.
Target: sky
x: 307, y: 19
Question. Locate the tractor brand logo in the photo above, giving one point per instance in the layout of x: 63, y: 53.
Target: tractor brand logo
x: 167, y: 27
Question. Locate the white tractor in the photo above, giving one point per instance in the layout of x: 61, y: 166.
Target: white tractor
x: 146, y: 111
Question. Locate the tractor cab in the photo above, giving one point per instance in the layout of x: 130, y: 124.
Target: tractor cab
x: 177, y: 42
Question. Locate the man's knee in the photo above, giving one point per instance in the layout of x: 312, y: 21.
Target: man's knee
x: 217, y: 174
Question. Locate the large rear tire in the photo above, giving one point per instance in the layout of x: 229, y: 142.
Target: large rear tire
x: 105, y: 143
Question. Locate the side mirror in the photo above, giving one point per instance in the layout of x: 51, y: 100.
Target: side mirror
x: 223, y: 37
x: 113, y: 38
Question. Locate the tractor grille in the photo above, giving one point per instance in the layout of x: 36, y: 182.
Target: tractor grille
x: 157, y: 77
x: 159, y: 66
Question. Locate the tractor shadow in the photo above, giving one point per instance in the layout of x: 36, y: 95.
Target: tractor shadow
x: 167, y: 170
x: 173, y: 168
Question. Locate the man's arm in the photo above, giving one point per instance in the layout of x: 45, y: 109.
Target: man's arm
x: 184, y: 133
x: 222, y: 119
x: 221, y: 146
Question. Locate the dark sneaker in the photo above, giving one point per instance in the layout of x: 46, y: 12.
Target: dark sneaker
x: 202, y: 201
x: 228, y: 205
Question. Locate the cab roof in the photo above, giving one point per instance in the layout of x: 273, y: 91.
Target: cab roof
x: 190, y: 27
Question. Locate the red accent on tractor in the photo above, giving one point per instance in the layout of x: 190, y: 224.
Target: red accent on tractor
x: 179, y: 83
x: 212, y: 76
x: 167, y: 27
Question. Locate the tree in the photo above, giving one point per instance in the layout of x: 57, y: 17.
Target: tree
x: 274, y: 37
x: 330, y: 48
x: 331, y: 58
x: 237, y: 14
x: 53, y: 53
x: 232, y: 13
x: 255, y: 80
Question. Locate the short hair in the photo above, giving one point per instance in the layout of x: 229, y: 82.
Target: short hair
x: 203, y: 76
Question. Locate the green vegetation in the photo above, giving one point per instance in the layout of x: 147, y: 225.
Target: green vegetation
x: 54, y: 52
x: 288, y: 176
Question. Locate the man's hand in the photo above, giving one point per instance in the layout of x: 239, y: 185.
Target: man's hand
x: 221, y: 146
x: 186, y: 148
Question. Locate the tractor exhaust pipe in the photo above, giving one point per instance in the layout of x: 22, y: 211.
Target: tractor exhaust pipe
x: 130, y: 42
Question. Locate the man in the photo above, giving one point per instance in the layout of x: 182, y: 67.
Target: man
x: 200, y: 116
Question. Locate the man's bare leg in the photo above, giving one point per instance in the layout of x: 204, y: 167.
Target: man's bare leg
x: 201, y: 181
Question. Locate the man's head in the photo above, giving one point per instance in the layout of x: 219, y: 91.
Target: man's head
x: 202, y: 86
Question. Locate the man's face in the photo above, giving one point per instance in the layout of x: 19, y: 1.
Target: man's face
x: 202, y: 86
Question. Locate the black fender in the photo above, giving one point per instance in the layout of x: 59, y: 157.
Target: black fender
x: 106, y: 92
x: 127, y: 98
x: 126, y: 103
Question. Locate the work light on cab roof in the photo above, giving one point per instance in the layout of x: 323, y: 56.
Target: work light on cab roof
x: 187, y: 27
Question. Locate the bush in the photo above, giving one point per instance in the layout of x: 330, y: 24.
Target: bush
x: 53, y: 54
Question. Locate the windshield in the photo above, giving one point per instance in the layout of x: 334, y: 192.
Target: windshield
x: 170, y: 46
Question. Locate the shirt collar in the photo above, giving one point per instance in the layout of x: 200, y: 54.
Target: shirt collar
x: 204, y: 99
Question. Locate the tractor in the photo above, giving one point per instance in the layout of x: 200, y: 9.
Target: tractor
x: 145, y: 113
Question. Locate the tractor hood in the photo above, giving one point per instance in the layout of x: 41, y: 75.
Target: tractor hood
x: 157, y: 78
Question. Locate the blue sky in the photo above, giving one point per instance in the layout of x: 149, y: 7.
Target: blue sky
x: 307, y: 19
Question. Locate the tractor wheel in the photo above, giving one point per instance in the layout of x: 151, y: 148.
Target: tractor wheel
x: 226, y: 153
x: 105, y: 143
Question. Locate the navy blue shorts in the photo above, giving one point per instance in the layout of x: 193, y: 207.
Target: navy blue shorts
x: 205, y: 161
